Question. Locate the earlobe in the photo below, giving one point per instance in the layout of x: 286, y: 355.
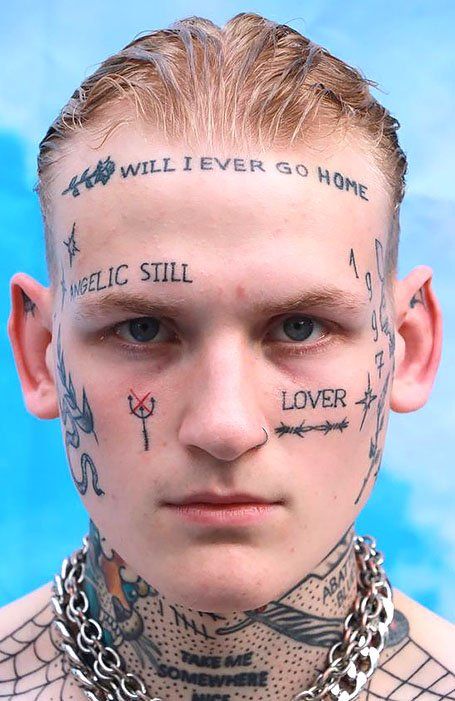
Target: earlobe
x: 30, y: 333
x: 419, y: 340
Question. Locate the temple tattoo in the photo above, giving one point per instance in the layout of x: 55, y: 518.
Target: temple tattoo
x: 353, y: 263
x: 101, y: 174
x: 29, y: 304
x: 301, y: 429
x: 366, y: 401
x: 143, y: 408
x: 75, y: 418
x: 385, y: 323
x: 71, y: 245
x: 369, y: 285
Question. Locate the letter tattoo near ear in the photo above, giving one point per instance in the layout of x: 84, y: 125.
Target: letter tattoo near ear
x: 379, y: 323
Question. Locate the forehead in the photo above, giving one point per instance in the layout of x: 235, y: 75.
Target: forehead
x: 137, y: 194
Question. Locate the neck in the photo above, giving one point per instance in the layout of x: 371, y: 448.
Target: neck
x: 271, y: 652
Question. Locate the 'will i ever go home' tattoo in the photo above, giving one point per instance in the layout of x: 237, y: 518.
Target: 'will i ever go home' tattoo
x: 104, y: 171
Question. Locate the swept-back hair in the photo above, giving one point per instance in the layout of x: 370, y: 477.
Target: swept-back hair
x: 251, y: 83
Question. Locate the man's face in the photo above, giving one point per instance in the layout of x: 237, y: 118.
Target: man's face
x: 262, y: 306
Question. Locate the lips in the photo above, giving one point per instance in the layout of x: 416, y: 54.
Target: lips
x: 216, y: 499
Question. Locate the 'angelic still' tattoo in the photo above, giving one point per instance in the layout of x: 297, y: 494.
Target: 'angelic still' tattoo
x: 116, y: 275
x: 105, y: 170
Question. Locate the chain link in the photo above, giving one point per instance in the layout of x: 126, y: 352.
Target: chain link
x: 100, y: 671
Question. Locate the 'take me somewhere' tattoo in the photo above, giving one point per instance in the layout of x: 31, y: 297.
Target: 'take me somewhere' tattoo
x: 106, y: 169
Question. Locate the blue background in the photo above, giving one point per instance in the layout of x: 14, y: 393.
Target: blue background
x: 47, y: 48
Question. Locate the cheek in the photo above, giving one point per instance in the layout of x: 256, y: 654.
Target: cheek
x: 332, y: 434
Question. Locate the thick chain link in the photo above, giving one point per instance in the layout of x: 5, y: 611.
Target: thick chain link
x: 100, y: 671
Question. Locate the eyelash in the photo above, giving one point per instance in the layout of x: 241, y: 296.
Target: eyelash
x: 295, y: 348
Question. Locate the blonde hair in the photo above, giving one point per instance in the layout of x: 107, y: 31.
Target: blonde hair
x: 252, y: 82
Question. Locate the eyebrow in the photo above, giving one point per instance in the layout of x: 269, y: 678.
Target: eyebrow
x: 143, y: 305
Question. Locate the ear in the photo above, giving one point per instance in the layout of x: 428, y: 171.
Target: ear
x: 419, y: 340
x: 30, y: 333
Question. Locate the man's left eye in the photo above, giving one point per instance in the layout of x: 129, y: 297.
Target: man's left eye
x: 300, y: 328
x: 141, y: 330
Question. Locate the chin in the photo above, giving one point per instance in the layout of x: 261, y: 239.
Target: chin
x: 219, y: 587
x: 221, y: 600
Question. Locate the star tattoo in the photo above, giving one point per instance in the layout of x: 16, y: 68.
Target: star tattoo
x: 71, y: 244
x: 367, y: 401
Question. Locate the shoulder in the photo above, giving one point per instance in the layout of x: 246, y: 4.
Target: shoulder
x: 419, y: 660
x: 31, y: 663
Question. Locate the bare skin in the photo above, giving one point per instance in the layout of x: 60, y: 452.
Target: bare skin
x: 264, y: 307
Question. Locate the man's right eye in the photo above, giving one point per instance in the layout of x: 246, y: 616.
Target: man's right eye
x: 142, y: 330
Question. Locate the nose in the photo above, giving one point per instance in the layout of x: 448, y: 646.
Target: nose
x: 222, y: 416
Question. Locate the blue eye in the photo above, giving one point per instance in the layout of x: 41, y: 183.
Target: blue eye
x: 298, y: 328
x: 141, y: 330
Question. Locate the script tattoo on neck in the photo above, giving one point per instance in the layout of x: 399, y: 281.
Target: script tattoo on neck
x: 76, y: 418
x: 105, y: 169
x: 28, y: 304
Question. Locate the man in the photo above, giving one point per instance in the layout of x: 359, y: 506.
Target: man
x: 223, y: 338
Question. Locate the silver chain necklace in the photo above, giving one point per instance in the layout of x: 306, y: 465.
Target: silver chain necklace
x: 100, y: 670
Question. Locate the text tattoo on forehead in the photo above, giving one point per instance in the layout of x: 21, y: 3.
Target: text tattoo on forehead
x: 121, y: 274
x: 106, y: 170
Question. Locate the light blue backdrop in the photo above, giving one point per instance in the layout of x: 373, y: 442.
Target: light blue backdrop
x: 47, y: 48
